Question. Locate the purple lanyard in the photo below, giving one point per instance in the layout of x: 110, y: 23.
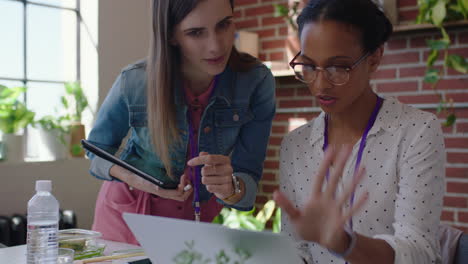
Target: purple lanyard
x: 195, y: 172
x: 362, y: 145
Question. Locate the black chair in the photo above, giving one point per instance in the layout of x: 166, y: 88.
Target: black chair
x: 461, y: 255
x: 18, y: 230
x: 5, y: 231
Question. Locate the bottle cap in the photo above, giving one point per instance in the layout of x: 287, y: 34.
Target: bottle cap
x: 43, y: 186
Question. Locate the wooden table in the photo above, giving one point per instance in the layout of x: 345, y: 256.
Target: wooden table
x: 17, y: 254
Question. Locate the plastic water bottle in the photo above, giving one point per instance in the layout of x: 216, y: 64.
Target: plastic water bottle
x: 43, y: 218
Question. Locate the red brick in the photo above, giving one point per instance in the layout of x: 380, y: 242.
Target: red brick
x: 266, y: 21
x: 456, y: 173
x: 260, y: 200
x: 308, y: 116
x: 405, y: 57
x: 453, y: 72
x: 269, y: 188
x: 273, y: 44
x: 283, y: 31
x: 250, y: 23
x: 272, y: 153
x: 275, y: 141
x: 285, y: 92
x: 459, y: 202
x: 407, y: 3
x: 265, y: 33
x: 238, y: 14
x: 384, y: 74
x: 462, y: 127
x: 419, y: 99
x: 463, y: 217
x: 279, y: 129
x: 269, y: 164
x: 460, y: 113
x: 303, y: 92
x: 419, y: 42
x: 277, y: 56
x: 457, y: 157
x: 452, y: 84
x: 457, y: 187
x: 463, y: 37
x: 456, y: 142
x: 262, y: 57
x: 269, y: 177
x: 458, y: 97
x: 283, y: 117
x: 412, y: 72
x: 295, y: 103
x: 245, y: 2
x: 447, y: 216
x: 459, y: 51
x: 398, y: 43
x: 407, y: 15
x: 397, y: 87
x: 255, y: 11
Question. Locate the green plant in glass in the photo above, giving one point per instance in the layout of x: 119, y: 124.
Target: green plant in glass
x: 437, y: 12
x: 74, y: 103
x: 14, y: 115
x: 233, y: 218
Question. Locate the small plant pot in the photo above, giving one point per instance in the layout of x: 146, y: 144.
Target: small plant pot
x: 77, y: 133
x: 13, y: 148
x: 51, y: 146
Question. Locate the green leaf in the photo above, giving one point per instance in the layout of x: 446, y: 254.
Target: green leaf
x: 281, y: 10
x: 64, y: 101
x: 432, y: 58
x: 440, y: 107
x: 458, y: 63
x: 439, y: 12
x: 267, y: 211
x: 463, y: 4
x: 450, y: 120
x: 76, y: 149
x: 432, y: 76
x: 441, y: 44
x: 277, y: 221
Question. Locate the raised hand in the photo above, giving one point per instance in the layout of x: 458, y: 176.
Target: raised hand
x: 323, y: 217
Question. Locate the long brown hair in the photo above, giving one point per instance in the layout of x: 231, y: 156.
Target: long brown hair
x: 162, y: 66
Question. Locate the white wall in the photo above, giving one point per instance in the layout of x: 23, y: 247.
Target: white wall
x: 73, y: 187
x: 123, y: 39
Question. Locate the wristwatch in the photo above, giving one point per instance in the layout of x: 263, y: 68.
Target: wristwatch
x: 237, y: 188
x: 236, y: 183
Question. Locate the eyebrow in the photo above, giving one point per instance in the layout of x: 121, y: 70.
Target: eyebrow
x: 201, y: 28
x: 329, y: 59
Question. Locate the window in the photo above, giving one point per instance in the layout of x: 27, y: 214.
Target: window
x: 44, y: 43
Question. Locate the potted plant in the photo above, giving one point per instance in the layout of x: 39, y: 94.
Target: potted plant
x: 66, y: 128
x: 76, y: 103
x: 290, y: 13
x: 54, y: 131
x: 437, y: 12
x: 14, y: 116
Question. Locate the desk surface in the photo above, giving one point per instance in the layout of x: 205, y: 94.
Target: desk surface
x: 17, y: 255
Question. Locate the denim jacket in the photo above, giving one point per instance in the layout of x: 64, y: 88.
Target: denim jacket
x: 236, y: 122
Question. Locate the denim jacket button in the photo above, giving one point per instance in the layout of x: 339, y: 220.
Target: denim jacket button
x: 235, y: 117
x: 207, y: 130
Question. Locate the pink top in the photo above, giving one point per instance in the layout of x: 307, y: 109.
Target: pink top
x: 116, y: 197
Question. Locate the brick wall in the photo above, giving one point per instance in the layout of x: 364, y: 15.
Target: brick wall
x: 400, y: 75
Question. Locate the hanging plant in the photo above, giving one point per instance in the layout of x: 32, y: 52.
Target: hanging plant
x: 437, y: 12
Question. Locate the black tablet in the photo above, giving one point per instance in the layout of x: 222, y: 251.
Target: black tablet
x: 111, y: 158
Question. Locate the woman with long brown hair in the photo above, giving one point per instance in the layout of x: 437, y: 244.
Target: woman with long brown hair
x: 197, y: 114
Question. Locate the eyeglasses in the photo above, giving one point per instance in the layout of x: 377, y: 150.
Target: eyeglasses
x: 307, y: 73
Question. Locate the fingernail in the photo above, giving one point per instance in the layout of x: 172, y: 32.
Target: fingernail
x: 187, y: 187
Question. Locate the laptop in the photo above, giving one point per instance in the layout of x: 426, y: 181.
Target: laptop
x: 168, y: 240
